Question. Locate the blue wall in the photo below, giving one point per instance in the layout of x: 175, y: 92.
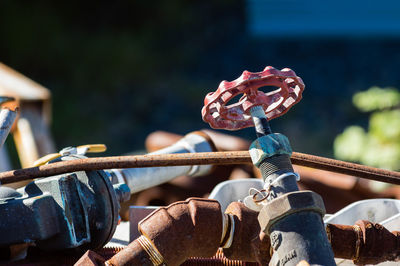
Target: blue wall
x: 347, y: 18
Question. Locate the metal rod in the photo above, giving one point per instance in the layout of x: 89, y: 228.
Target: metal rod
x: 203, y: 158
x: 260, y: 120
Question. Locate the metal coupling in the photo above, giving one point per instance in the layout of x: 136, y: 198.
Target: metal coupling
x: 249, y: 244
x: 268, y: 146
x: 196, y: 228
x: 287, y: 204
x: 172, y: 234
x: 194, y: 224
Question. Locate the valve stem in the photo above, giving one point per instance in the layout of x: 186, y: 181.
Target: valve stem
x: 260, y: 120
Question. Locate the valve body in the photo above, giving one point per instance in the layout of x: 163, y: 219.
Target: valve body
x: 292, y: 219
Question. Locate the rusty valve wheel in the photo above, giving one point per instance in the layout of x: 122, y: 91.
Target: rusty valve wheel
x: 237, y: 115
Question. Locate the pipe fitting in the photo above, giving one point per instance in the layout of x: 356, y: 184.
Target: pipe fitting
x: 268, y: 146
x: 196, y: 228
x: 174, y: 233
x: 186, y: 224
x: 248, y: 243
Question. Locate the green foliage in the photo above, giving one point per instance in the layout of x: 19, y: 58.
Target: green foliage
x: 349, y: 145
x: 385, y: 125
x: 380, y: 146
x: 376, y: 99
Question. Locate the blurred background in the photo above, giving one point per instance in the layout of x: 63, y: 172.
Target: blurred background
x: 119, y: 71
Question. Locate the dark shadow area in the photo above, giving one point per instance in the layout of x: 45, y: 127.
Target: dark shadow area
x: 120, y: 71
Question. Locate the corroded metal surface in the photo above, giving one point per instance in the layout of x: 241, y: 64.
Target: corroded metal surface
x: 215, y: 158
x: 196, y: 226
x: 90, y: 258
x: 346, y: 168
x: 133, y: 254
x: 218, y: 259
x: 237, y: 115
x: 364, y: 242
x: 377, y: 244
x: 188, y: 223
x: 125, y: 162
x: 249, y: 244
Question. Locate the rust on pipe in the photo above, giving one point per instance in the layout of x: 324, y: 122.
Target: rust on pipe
x: 133, y: 254
x: 215, y: 158
x: 347, y: 168
x: 174, y: 233
x: 91, y: 258
x: 249, y: 243
x: 364, y: 242
x: 343, y: 240
x: 100, y: 163
x: 192, y: 229
x: 219, y: 259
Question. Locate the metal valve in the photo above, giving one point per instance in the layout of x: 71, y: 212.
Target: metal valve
x: 220, y: 115
x: 291, y: 218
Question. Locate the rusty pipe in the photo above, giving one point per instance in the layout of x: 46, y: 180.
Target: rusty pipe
x: 196, y: 228
x: 215, y: 158
x: 249, y: 243
x: 91, y: 258
x: 218, y: 259
x: 172, y: 234
x: 99, y: 163
x: 364, y: 242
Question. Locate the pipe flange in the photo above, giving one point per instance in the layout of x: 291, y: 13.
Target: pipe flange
x: 287, y: 204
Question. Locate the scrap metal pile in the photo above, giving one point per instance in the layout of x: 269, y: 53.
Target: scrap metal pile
x: 254, y: 207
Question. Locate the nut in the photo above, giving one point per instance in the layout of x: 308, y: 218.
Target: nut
x: 268, y: 146
x: 288, y: 204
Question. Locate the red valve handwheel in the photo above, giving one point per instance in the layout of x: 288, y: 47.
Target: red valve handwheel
x: 237, y: 115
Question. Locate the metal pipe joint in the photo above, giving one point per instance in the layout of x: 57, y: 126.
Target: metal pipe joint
x: 196, y: 228
x: 268, y: 146
x: 287, y: 204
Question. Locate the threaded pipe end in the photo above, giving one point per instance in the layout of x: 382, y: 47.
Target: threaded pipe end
x: 274, y: 164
